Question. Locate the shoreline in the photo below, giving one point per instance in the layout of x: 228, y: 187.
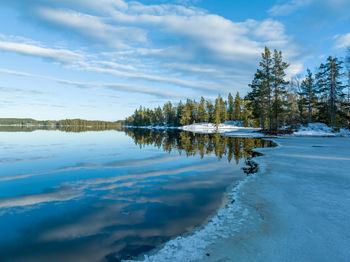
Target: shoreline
x: 195, y: 243
x: 304, y: 206
x: 263, y: 217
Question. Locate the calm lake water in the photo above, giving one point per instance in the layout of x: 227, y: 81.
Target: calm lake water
x: 110, y: 195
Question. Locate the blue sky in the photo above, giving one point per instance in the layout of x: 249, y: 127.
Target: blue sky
x: 102, y: 59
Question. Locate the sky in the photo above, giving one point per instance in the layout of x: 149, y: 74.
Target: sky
x: 103, y: 59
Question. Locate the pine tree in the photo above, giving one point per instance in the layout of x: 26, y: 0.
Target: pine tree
x: 217, y: 113
x: 278, y: 86
x: 255, y: 101
x: 265, y: 75
x: 179, y: 113
x: 330, y: 85
x: 347, y: 63
x: 201, y: 111
x: 293, y: 116
x: 238, y: 107
x: 260, y: 99
x: 223, y: 111
x: 308, y: 92
x: 169, y: 114
x: 230, y: 107
x: 210, y: 111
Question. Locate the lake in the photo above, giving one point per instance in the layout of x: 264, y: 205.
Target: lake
x: 110, y: 195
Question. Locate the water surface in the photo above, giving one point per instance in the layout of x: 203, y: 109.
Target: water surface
x: 109, y: 195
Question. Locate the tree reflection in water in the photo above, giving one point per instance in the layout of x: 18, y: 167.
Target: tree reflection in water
x: 192, y: 144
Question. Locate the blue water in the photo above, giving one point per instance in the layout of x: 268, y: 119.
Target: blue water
x: 104, y: 196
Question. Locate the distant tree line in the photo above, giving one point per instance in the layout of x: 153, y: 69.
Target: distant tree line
x: 191, y: 112
x: 71, y: 125
x: 272, y: 102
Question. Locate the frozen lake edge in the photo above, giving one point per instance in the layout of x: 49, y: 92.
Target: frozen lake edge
x: 294, y: 209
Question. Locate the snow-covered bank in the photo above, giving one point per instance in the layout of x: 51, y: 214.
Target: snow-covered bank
x: 320, y: 129
x: 209, y: 128
x: 303, y: 195
x: 232, y: 127
x: 295, y: 209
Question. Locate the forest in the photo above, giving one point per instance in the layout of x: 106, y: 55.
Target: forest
x: 272, y: 101
x: 69, y: 125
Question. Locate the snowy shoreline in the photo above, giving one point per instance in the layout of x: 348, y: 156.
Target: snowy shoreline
x: 255, y: 213
x: 230, y: 128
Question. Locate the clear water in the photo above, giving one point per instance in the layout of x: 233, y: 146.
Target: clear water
x: 109, y: 195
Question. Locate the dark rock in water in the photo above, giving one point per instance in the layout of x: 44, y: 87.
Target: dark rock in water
x: 251, y: 168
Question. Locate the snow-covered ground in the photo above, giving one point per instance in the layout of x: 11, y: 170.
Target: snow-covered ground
x: 296, y: 208
x: 233, y: 127
x: 320, y: 129
x: 209, y: 128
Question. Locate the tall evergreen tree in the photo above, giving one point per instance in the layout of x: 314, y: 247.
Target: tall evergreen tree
x: 179, y: 113
x: 260, y: 99
x: 169, y: 114
x: 347, y: 64
x: 217, y: 112
x: 187, y: 113
x: 278, y: 86
x: 330, y: 85
x: 230, y: 107
x: 201, y: 111
x: 210, y: 109
x: 238, y: 107
x: 265, y: 75
x: 223, y: 111
x: 308, y: 91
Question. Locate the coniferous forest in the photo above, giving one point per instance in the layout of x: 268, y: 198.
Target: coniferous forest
x: 272, y: 101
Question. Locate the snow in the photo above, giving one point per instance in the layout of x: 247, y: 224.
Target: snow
x: 152, y: 127
x: 227, y: 127
x: 320, y: 129
x: 209, y: 128
x: 295, y: 209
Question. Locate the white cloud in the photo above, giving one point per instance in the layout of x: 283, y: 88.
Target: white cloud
x: 59, y: 55
x: 321, y: 8
x: 122, y: 87
x: 93, y: 27
x: 289, y: 7
x: 342, y: 41
x: 178, y: 46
